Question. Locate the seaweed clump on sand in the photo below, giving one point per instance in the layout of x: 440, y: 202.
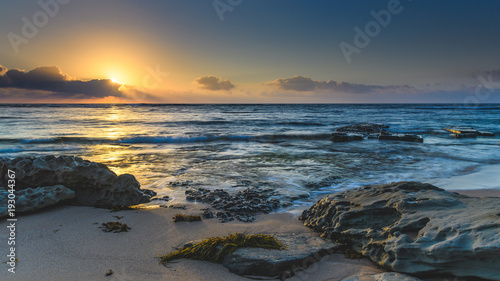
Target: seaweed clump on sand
x: 188, y: 218
x: 115, y: 226
x: 216, y: 248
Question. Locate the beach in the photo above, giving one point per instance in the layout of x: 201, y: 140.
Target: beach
x: 66, y: 243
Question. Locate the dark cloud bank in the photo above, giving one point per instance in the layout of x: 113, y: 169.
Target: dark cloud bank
x: 51, y: 79
x: 306, y: 84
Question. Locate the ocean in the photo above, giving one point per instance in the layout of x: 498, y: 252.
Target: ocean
x: 286, y: 147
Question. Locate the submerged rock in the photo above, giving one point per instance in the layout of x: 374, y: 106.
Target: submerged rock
x: 400, y: 137
x: 94, y: 184
x: 414, y: 228
x: 363, y: 128
x: 243, y: 205
x: 33, y: 199
x: 372, y: 131
x: 467, y: 132
x: 345, y: 137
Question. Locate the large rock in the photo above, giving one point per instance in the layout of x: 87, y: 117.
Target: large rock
x: 415, y: 228
x: 302, y: 250
x: 93, y: 183
x: 33, y: 199
x: 386, y: 276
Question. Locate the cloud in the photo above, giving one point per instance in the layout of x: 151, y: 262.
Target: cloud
x: 305, y: 84
x: 50, y: 81
x: 214, y: 83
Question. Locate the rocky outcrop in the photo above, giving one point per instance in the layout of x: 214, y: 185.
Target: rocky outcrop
x: 33, y: 199
x: 301, y: 251
x: 414, y: 228
x: 467, y: 132
x: 372, y: 131
x: 243, y: 205
x: 345, y: 137
x: 386, y: 276
x: 94, y: 184
x: 363, y: 128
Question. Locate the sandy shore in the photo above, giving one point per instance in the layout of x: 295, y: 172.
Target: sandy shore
x: 486, y: 178
x: 66, y: 244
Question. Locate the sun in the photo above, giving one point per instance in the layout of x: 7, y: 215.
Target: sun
x: 114, y: 80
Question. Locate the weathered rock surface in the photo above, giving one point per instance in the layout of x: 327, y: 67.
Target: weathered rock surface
x: 400, y: 137
x: 363, y: 128
x: 302, y: 250
x: 415, y: 228
x: 345, y: 137
x: 372, y: 131
x: 393, y: 276
x: 467, y: 132
x: 93, y: 183
x: 243, y: 205
x: 32, y: 199
x: 386, y: 276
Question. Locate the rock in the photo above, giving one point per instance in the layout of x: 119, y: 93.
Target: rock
x: 363, y: 128
x: 372, y: 131
x: 485, y: 134
x: 32, y: 199
x: 467, y: 132
x: 302, y: 250
x: 393, y: 276
x: 400, y: 137
x: 386, y: 276
x: 243, y: 205
x: 345, y: 137
x: 414, y: 228
x: 93, y: 183
x: 463, y: 136
x: 163, y: 198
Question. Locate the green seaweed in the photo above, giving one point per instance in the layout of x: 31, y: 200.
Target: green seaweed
x: 115, y: 226
x: 188, y: 218
x: 216, y: 248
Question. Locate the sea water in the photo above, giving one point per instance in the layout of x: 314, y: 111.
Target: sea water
x: 170, y: 148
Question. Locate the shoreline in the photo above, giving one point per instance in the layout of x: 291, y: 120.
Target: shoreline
x: 69, y: 236
x: 64, y: 243
x: 486, y: 178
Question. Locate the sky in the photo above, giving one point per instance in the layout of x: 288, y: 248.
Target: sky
x: 249, y: 51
